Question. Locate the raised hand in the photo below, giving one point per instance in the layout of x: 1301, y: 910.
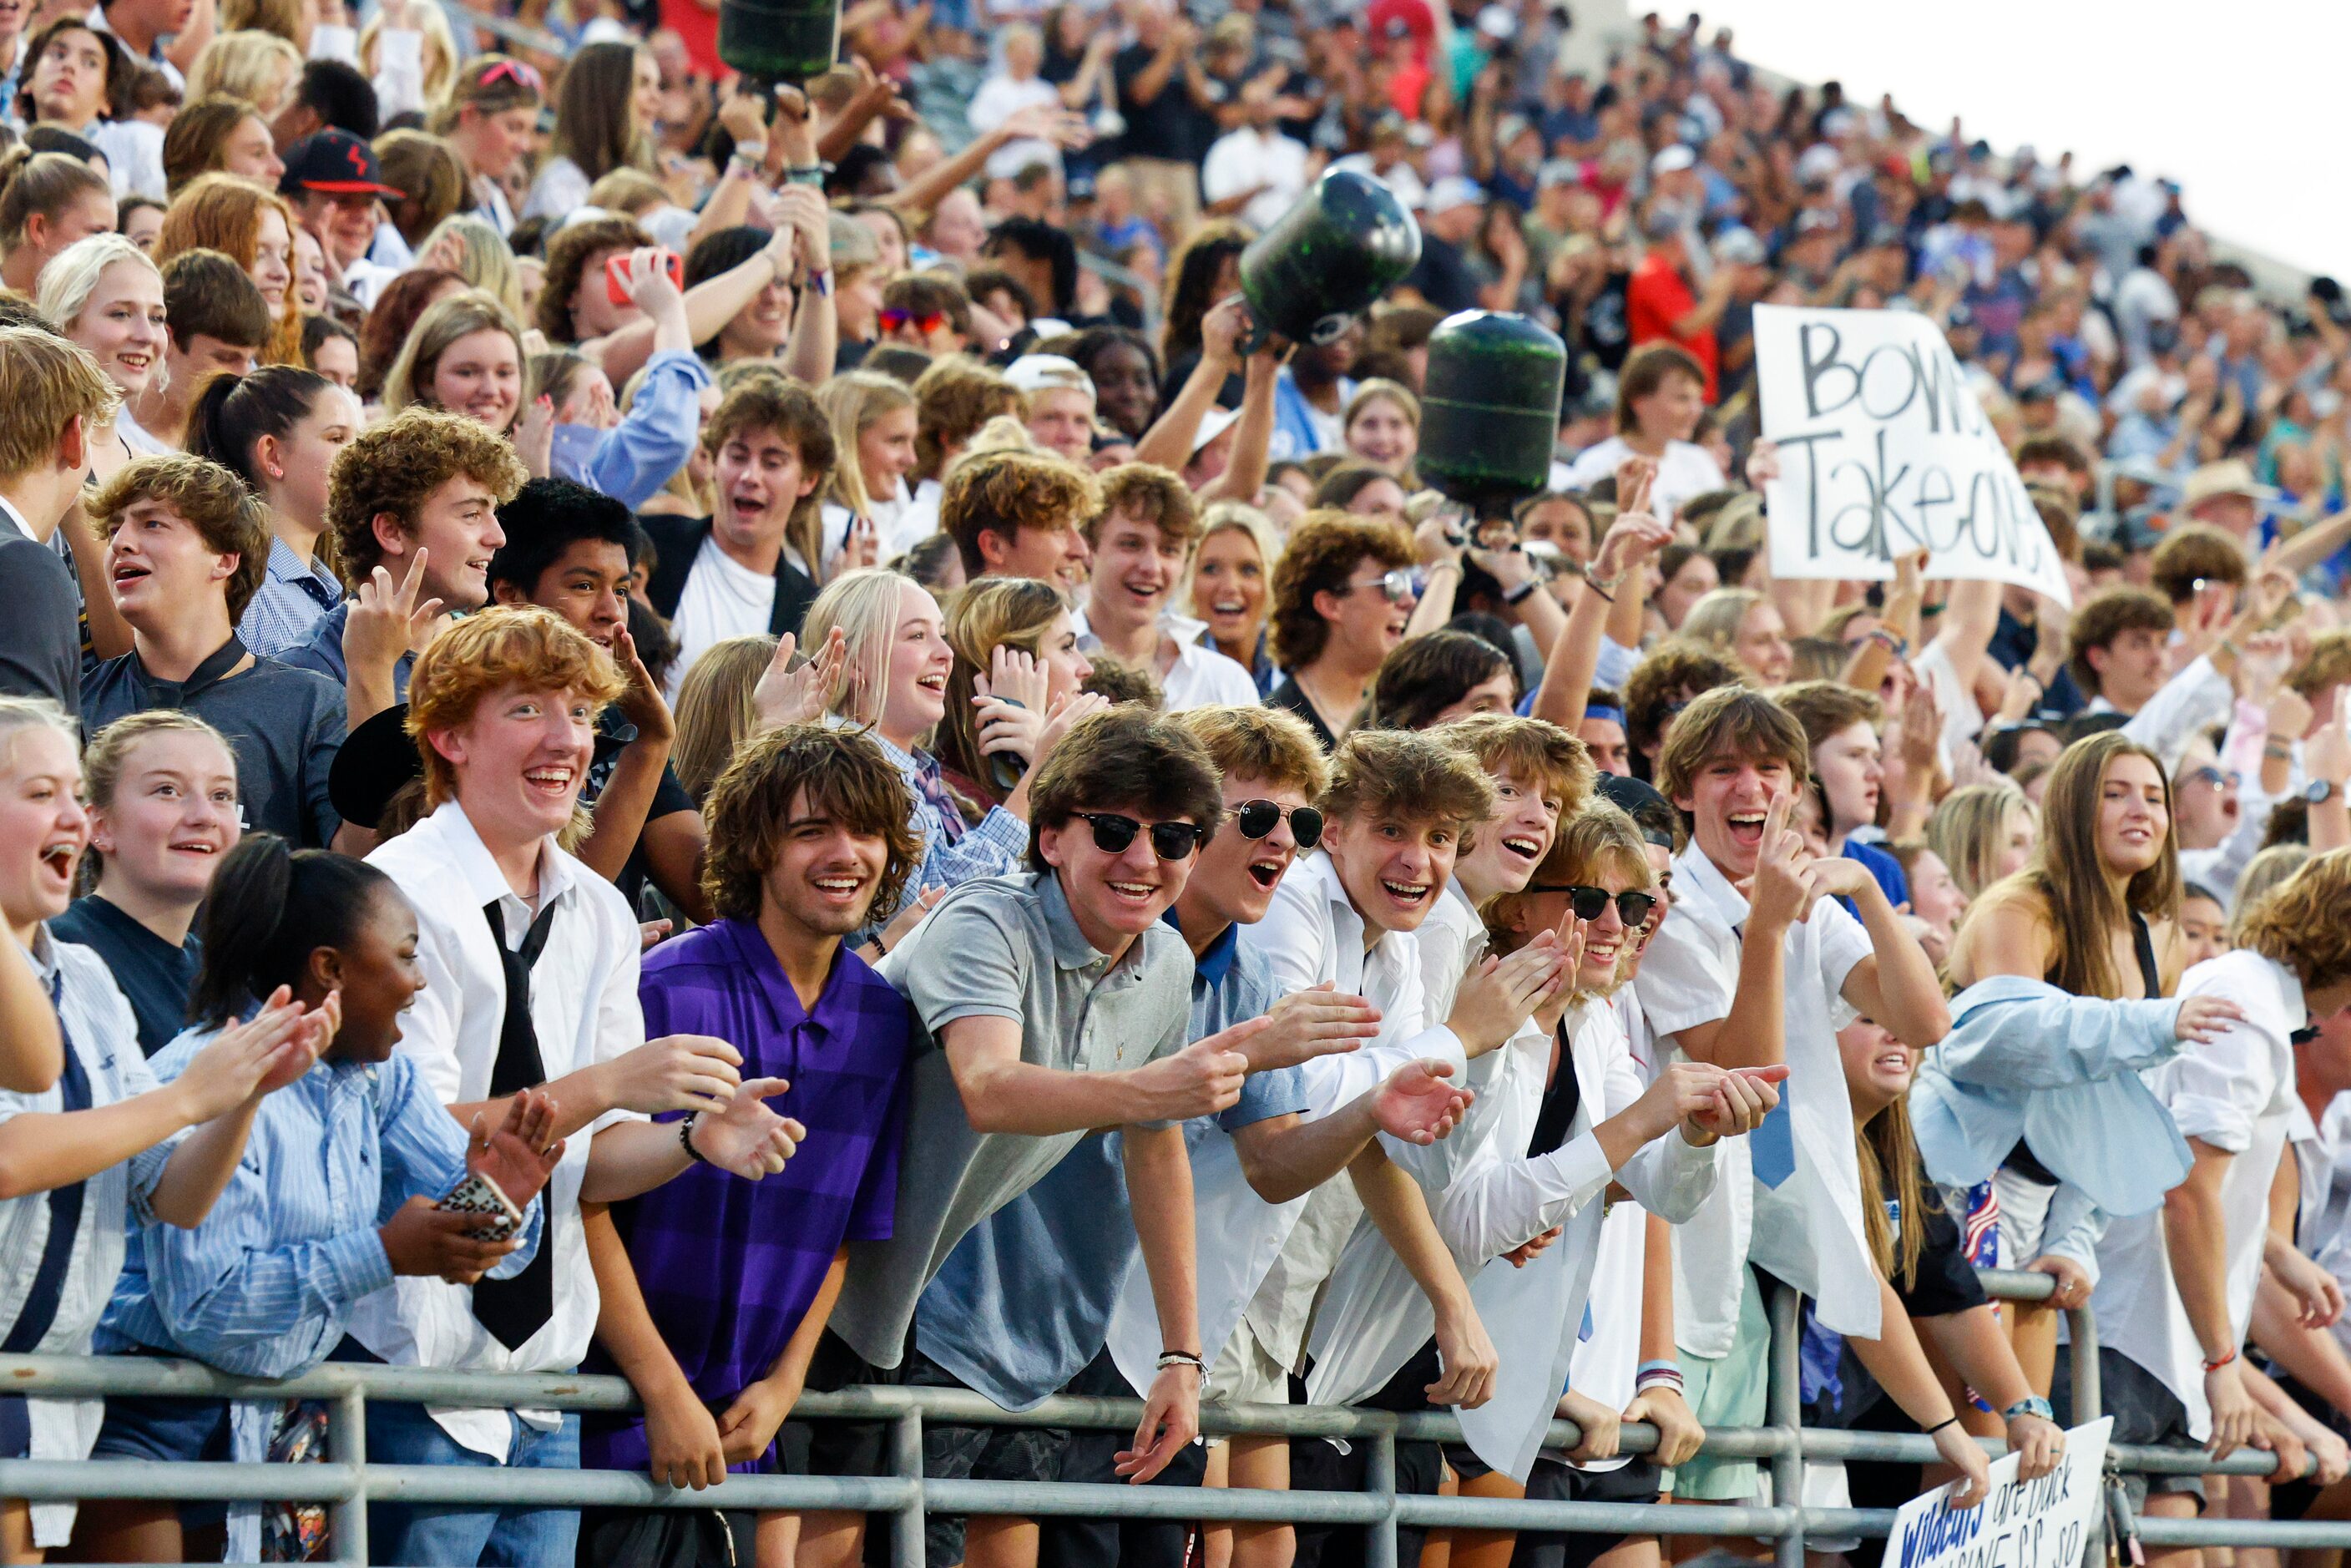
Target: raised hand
x: 1417, y: 1105
x: 1634, y: 476
x: 1498, y: 995
x: 534, y: 436
x: 805, y: 694
x: 1063, y: 715
x: 1741, y: 1100
x: 640, y: 701
x: 676, y: 1072
x: 1221, y: 330
x: 746, y: 1138
x: 2203, y: 1019
x: 274, y: 1047
x: 523, y: 1150
x: 1631, y: 539
x: 1014, y: 676
x: 1317, y: 1021
x: 1570, y: 937
x: 1782, y: 891
x: 1200, y: 1080
x: 386, y: 619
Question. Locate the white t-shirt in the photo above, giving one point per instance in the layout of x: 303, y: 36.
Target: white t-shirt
x: 1244, y: 160
x: 1808, y: 1228
x: 1686, y: 471
x: 1001, y: 98
x: 2236, y: 1096
x: 720, y: 600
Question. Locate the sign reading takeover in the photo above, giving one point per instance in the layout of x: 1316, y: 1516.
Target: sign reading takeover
x: 2041, y: 1524
x: 1885, y: 450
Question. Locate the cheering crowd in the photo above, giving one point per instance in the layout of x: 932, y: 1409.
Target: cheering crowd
x: 754, y: 738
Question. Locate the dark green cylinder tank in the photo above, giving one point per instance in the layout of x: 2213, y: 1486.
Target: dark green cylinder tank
x: 779, y: 40
x: 1490, y: 408
x: 1347, y: 242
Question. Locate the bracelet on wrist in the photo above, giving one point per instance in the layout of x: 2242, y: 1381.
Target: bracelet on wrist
x: 1946, y: 1421
x: 1521, y: 593
x: 808, y: 174
x: 686, y: 1138
x: 2032, y: 1404
x: 749, y: 155
x: 1594, y: 584
x: 2227, y: 1360
x: 1168, y: 1358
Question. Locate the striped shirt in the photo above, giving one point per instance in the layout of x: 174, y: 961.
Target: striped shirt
x: 105, y: 1039
x: 286, y: 608
x: 264, y: 1286
x: 729, y: 1268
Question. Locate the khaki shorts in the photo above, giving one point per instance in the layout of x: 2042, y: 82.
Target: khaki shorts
x: 1245, y: 1372
x: 1728, y: 1392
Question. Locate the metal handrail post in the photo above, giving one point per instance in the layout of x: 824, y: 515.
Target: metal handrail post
x: 2082, y: 1335
x: 906, y: 1550
x: 1783, y: 1412
x: 1380, y: 1539
x: 347, y: 1444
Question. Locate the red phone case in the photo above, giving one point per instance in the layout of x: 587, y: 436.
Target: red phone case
x: 616, y: 275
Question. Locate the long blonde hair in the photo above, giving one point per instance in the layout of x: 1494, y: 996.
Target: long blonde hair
x: 1969, y: 828
x: 256, y: 65
x: 1885, y: 1142
x: 854, y: 401
x: 865, y: 605
x: 715, y: 713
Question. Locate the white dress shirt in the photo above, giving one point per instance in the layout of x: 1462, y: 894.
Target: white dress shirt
x: 583, y: 1007
x: 1200, y: 677
x: 2236, y: 1096
x: 1311, y: 935
x: 104, y: 1041
x: 1374, y: 1318
x: 1808, y: 1230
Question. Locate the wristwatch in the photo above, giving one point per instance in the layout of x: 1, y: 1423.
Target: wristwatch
x: 2034, y: 1405
x: 2318, y: 791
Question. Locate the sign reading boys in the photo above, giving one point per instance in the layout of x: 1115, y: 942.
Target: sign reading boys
x: 2042, y: 1523
x: 1884, y: 450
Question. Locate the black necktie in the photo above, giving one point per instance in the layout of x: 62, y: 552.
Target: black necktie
x: 514, y: 1310
x: 1561, y: 1098
x: 40, y: 1309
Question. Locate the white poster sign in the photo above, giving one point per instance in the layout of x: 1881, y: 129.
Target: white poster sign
x: 1885, y: 450
x: 2041, y: 1524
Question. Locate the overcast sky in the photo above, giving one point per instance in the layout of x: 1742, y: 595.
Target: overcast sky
x: 2239, y: 100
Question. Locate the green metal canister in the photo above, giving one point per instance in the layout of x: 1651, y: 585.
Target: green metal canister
x: 779, y: 40
x: 1346, y: 243
x: 1490, y: 408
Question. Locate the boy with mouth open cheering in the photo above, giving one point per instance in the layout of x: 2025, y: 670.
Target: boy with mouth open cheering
x: 1058, y: 1003
x: 1741, y: 984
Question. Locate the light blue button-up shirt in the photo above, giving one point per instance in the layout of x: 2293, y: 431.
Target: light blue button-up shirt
x: 287, y: 606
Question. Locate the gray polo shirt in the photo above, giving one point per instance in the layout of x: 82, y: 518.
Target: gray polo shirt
x: 1000, y: 947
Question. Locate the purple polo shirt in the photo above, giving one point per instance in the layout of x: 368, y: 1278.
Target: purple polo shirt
x: 728, y: 1267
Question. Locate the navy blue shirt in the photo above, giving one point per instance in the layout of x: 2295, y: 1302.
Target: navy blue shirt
x: 155, y: 976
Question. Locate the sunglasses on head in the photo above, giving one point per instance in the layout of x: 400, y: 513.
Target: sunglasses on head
x: 2211, y: 775
x: 1256, y: 818
x: 892, y: 318
x: 1394, y: 586
x: 1633, y: 908
x: 514, y: 72
x: 1113, y: 832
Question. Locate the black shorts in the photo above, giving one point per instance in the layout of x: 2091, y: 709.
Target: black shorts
x: 1638, y: 1480
x: 1090, y: 1455
x: 974, y: 1454
x: 806, y: 1447
x: 1316, y: 1464
x: 2145, y: 1413
x: 2295, y: 1499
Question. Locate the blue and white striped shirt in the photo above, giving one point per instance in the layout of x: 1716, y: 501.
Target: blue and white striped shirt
x: 287, y: 606
x: 264, y: 1286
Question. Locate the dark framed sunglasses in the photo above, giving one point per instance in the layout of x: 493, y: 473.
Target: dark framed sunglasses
x: 1633, y: 908
x: 1256, y: 818
x: 1113, y: 832
x: 893, y: 317
x: 2208, y: 776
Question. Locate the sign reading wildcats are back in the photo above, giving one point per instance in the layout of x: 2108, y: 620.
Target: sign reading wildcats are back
x: 2041, y: 1524
x: 1884, y: 450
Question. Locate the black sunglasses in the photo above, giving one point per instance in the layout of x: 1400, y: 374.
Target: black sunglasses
x: 1114, y: 833
x: 1632, y: 908
x: 1256, y: 818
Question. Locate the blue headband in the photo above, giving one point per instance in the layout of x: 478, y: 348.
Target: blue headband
x: 1614, y: 715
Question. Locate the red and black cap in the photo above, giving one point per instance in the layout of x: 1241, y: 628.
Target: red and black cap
x: 335, y: 163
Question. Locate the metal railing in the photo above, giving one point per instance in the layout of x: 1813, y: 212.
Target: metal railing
x: 346, y: 1482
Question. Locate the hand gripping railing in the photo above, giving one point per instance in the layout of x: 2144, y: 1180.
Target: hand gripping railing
x: 347, y: 1481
